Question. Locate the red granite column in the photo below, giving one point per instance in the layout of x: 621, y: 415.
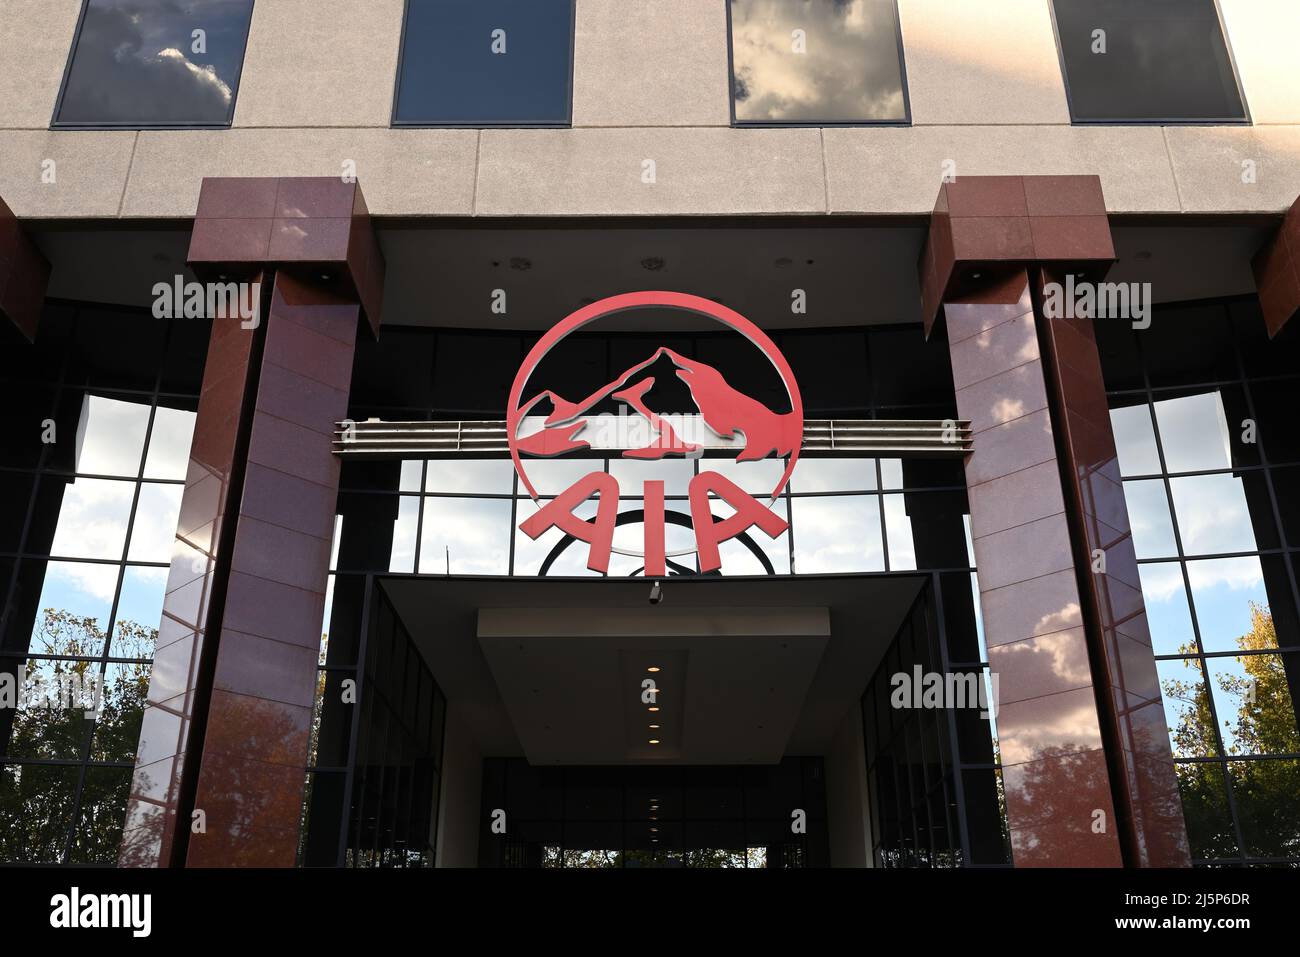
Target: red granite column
x: 24, y: 274
x: 176, y: 691
x: 1133, y: 709
x: 1277, y: 272
x: 1086, y: 782
x: 1049, y: 734
x: 226, y: 729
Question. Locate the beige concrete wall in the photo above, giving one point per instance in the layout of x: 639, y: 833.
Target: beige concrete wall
x: 650, y: 84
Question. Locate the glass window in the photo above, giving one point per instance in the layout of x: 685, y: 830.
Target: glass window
x: 834, y: 475
x: 405, y: 527
x: 1146, y: 60
x: 110, y: 436
x: 1222, y: 628
x: 72, y: 614
x: 147, y: 63
x: 1253, y: 704
x: 1168, y: 614
x: 93, y: 519
x: 1228, y: 595
x: 1194, y: 432
x: 840, y: 534
x: 1135, y: 440
x: 1191, y: 731
x: 1213, y: 517
x: 465, y: 536
x: 169, y: 443
x: 1148, y: 512
x: 739, y: 559
x: 1266, y: 806
x: 1205, y: 809
x: 154, y: 528
x: 67, y: 626
x: 898, y: 532
x: 531, y: 553
x: 139, y: 606
x: 476, y: 476
x: 486, y: 63
x: 820, y: 61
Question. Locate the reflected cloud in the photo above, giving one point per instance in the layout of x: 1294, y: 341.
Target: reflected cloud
x: 849, y: 72
x: 134, y: 62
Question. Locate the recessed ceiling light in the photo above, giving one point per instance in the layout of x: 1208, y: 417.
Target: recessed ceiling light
x: 654, y: 740
x: 653, y: 669
x: 654, y: 727
x: 652, y: 708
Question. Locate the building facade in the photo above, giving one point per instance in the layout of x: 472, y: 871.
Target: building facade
x: 705, y: 433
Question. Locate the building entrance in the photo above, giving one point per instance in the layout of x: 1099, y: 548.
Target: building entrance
x: 609, y: 817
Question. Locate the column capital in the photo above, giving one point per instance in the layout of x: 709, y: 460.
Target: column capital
x: 984, y: 227
x: 1277, y: 272
x: 24, y: 274
x: 317, y: 227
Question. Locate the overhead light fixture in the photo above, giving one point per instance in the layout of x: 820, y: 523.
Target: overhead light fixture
x: 654, y: 727
x: 653, y: 669
x: 654, y: 740
x: 653, y: 708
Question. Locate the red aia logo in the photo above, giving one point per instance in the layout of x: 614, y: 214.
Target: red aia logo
x: 725, y: 419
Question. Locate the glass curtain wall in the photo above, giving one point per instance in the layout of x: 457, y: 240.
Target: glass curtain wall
x: 91, y: 477
x: 1202, y: 406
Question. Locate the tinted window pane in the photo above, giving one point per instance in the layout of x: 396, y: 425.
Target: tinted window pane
x: 1266, y: 806
x: 93, y: 518
x: 465, y: 536
x: 1135, y: 440
x: 1168, y: 615
x: 1230, y: 597
x: 1194, y: 432
x: 110, y: 436
x: 1148, y: 512
x: 1187, y: 712
x: 486, y: 62
x: 1213, y: 517
x: 837, y: 535
x: 834, y: 475
x: 1161, y: 60
x: 139, y: 63
x: 820, y: 61
x: 169, y: 443
x: 1205, y: 808
x: 1253, y: 704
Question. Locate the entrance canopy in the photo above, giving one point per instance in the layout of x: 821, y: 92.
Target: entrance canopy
x: 751, y: 669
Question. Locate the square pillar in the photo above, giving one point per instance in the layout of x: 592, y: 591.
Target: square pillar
x: 1086, y: 763
x: 228, y: 718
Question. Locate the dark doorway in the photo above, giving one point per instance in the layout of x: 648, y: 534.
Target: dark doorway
x: 635, y: 816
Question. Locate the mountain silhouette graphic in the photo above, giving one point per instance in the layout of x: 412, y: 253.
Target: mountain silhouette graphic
x: 727, y: 412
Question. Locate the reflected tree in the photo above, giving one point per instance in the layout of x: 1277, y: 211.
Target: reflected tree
x: 41, y: 819
x: 1263, y: 722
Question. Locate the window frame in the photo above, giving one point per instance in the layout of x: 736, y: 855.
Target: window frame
x: 57, y: 124
x: 1076, y: 120
x: 395, y: 123
x: 817, y: 124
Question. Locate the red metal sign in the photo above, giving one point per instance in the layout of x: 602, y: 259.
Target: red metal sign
x: 726, y: 418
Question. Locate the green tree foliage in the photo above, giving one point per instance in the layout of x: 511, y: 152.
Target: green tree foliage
x: 38, y: 802
x: 1262, y: 721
